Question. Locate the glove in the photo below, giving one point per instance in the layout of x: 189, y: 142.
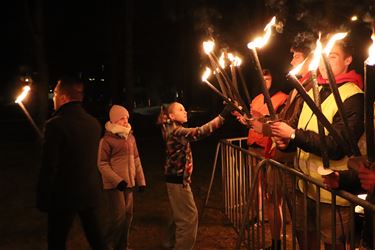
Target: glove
x: 141, y: 189
x: 122, y: 185
x: 227, y: 111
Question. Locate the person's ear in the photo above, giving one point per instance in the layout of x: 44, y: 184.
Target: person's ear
x: 171, y: 116
x: 348, y: 60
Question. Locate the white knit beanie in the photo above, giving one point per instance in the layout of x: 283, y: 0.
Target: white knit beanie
x: 117, y: 112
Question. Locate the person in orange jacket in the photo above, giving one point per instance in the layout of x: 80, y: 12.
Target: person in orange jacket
x: 259, y: 111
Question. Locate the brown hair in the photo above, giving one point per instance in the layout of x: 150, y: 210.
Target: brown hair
x: 165, y: 110
x: 71, y: 87
x: 266, y: 72
x: 304, y: 42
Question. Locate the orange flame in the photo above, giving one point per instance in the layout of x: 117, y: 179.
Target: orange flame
x: 222, y: 61
x: 206, y: 74
x: 259, y: 42
x: 208, y: 46
x: 371, y: 51
x: 23, y: 95
x: 317, y: 54
x: 235, y: 60
x: 331, y: 42
x: 298, y: 68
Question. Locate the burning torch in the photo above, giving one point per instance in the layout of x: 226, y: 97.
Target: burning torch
x: 205, y: 76
x: 259, y: 42
x: 311, y: 104
x: 335, y: 92
x: 19, y: 99
x: 312, y: 68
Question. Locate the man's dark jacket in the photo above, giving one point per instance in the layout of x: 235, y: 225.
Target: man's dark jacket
x: 69, y: 178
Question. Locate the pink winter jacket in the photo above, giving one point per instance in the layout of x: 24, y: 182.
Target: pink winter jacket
x: 119, y: 160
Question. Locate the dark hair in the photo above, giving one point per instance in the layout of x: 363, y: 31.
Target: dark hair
x: 72, y: 87
x: 266, y: 72
x: 304, y: 42
x: 346, y: 46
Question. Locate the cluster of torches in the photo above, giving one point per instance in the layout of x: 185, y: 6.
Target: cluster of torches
x: 230, y: 89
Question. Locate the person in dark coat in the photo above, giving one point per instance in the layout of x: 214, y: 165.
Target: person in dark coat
x: 69, y: 181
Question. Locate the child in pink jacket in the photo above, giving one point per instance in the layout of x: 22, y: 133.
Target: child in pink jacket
x: 122, y: 173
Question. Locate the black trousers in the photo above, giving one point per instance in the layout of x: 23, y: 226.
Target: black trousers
x: 60, y: 222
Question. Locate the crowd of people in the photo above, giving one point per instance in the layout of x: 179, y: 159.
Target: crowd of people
x: 81, y: 169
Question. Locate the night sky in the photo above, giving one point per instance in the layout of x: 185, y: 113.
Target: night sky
x: 166, y: 36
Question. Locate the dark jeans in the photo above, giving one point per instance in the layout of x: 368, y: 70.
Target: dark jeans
x: 60, y: 222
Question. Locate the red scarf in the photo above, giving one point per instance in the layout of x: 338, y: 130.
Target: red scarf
x: 350, y: 76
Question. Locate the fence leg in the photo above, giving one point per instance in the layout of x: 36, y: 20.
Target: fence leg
x: 211, y: 181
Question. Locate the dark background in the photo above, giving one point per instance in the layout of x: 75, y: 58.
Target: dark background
x: 145, y: 53
x: 140, y: 54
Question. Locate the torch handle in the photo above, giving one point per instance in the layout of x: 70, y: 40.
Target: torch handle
x: 236, y: 92
x: 226, y: 99
x: 321, y: 131
x: 266, y: 93
x: 223, y: 74
x: 30, y: 120
x: 244, y: 85
x: 340, y: 106
x: 369, y: 72
x: 320, y: 116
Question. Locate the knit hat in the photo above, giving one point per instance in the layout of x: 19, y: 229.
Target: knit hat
x: 117, y: 112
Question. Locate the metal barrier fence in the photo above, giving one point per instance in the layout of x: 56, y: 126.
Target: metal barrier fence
x: 244, y: 182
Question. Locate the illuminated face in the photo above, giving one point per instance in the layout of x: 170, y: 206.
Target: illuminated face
x: 178, y: 113
x: 338, y: 61
x: 58, y: 97
x: 124, y: 121
x: 297, y: 59
x: 268, y: 80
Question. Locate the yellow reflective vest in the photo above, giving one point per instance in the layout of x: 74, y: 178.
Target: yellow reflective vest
x: 307, y: 162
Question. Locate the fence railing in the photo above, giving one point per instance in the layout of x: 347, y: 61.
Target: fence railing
x: 244, y: 183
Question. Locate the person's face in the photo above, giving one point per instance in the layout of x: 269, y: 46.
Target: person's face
x: 178, y: 113
x: 297, y: 59
x: 58, y: 97
x: 124, y: 121
x: 338, y: 61
x: 268, y: 81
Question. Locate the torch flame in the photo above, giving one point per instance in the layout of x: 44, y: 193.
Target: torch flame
x: 371, y: 51
x: 331, y: 42
x: 235, y: 60
x: 231, y: 57
x: 206, y: 74
x: 297, y: 69
x: 259, y: 42
x: 208, y: 46
x: 24, y: 93
x: 222, y: 61
x: 317, y: 54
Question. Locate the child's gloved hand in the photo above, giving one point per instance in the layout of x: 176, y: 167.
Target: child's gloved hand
x: 141, y: 189
x: 122, y: 185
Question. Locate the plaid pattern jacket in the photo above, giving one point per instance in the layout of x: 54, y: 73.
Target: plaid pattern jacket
x: 179, y: 160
